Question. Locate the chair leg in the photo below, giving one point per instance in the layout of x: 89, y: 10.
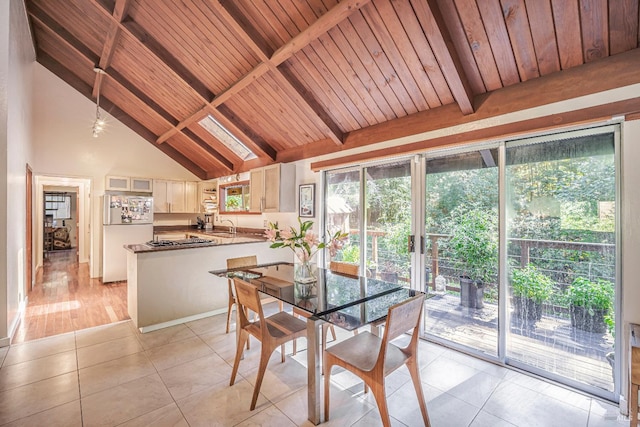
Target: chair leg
x: 333, y: 332
x: 282, y: 353
x: 327, y: 378
x: 244, y: 336
x: 412, y: 365
x: 264, y: 360
x: 229, y: 314
x: 378, y: 392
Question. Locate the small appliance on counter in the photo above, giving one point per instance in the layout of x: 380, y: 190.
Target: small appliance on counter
x: 208, y: 224
x: 200, y: 225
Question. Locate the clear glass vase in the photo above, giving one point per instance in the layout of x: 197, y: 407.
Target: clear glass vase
x: 304, y: 272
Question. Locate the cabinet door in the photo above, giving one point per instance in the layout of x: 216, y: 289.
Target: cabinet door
x: 143, y: 185
x: 271, y: 188
x: 192, y: 204
x: 160, y: 201
x: 176, y: 196
x: 118, y: 183
x: 256, y: 182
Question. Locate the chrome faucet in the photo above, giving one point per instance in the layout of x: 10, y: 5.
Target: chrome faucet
x: 232, y: 229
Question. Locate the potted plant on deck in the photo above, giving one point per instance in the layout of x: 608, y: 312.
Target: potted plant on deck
x: 590, y: 303
x: 529, y: 290
x: 474, y: 243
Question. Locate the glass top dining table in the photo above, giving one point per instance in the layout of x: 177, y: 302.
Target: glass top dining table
x: 345, y: 301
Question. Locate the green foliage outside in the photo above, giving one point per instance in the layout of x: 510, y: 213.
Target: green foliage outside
x: 474, y: 242
x: 530, y: 283
x: 596, y: 295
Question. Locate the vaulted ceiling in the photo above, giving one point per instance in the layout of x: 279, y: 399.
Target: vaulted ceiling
x: 293, y: 79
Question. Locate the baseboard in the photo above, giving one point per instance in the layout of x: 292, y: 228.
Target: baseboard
x: 175, y: 322
x: 6, y: 341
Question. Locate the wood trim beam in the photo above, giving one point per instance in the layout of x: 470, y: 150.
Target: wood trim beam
x: 327, y: 21
x: 86, y: 90
x: 119, y: 13
x: 430, y: 17
x: 237, y: 126
x: 206, y: 147
x: 538, y: 124
x: 587, y: 79
x: 333, y: 17
x: 42, y: 18
x: 228, y: 13
x: 306, y: 101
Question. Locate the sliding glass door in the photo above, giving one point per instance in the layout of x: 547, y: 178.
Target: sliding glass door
x: 514, y: 240
x: 561, y: 249
x: 373, y: 204
x: 461, y: 224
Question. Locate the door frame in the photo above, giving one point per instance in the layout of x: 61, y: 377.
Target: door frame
x: 29, y: 229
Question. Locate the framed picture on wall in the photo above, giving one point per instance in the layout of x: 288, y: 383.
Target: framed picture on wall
x: 307, y: 197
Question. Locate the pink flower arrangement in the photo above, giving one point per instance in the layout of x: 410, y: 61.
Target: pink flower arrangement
x: 304, y: 243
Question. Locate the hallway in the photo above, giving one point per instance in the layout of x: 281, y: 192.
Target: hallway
x: 65, y: 299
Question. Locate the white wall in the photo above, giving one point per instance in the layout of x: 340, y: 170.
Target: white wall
x: 16, y: 59
x: 64, y: 147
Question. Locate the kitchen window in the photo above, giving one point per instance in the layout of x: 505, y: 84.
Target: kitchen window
x: 235, y: 197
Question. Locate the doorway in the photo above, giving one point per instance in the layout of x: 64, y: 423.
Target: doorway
x: 81, y: 223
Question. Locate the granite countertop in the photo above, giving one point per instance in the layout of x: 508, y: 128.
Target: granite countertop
x: 218, y: 238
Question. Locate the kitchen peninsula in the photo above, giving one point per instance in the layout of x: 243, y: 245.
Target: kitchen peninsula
x: 168, y: 285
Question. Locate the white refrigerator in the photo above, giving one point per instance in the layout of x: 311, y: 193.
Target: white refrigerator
x: 127, y: 219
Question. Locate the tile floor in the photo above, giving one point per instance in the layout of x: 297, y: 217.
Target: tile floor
x: 113, y: 376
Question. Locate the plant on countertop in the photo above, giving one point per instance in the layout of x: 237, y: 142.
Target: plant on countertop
x: 303, y: 242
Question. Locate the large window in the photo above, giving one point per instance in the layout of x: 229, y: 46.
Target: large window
x: 518, y: 244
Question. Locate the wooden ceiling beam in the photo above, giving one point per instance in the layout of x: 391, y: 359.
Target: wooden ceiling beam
x: 593, y: 114
x: 206, y: 147
x: 228, y: 13
x: 584, y: 80
x: 126, y: 87
x: 237, y: 126
x: 430, y: 18
x: 333, y: 17
x: 327, y: 21
x: 119, y: 13
x: 307, y: 102
x: 71, y: 79
x: 40, y: 16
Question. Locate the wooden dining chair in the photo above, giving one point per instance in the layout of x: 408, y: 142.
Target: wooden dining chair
x: 242, y: 262
x: 373, y: 358
x: 273, y: 331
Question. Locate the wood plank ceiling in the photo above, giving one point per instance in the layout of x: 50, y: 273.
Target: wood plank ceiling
x: 293, y: 79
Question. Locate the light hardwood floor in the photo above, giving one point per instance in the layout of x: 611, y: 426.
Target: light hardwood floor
x: 65, y: 299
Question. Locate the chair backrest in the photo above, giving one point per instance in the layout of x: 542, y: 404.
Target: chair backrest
x: 247, y: 295
x: 402, y: 317
x: 245, y: 261
x: 344, y: 268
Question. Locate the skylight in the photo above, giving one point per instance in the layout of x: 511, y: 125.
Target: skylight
x: 227, y: 138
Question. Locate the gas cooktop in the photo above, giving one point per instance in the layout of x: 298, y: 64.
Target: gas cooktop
x: 182, y: 242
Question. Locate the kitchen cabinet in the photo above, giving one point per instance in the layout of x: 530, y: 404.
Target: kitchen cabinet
x: 169, y: 196
x: 191, y: 199
x: 273, y: 188
x: 142, y: 185
x: 125, y: 183
x: 118, y: 183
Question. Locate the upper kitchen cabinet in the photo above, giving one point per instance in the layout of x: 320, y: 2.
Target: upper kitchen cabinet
x: 125, y: 183
x: 273, y: 188
x: 118, y: 183
x: 142, y: 185
x: 174, y: 196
